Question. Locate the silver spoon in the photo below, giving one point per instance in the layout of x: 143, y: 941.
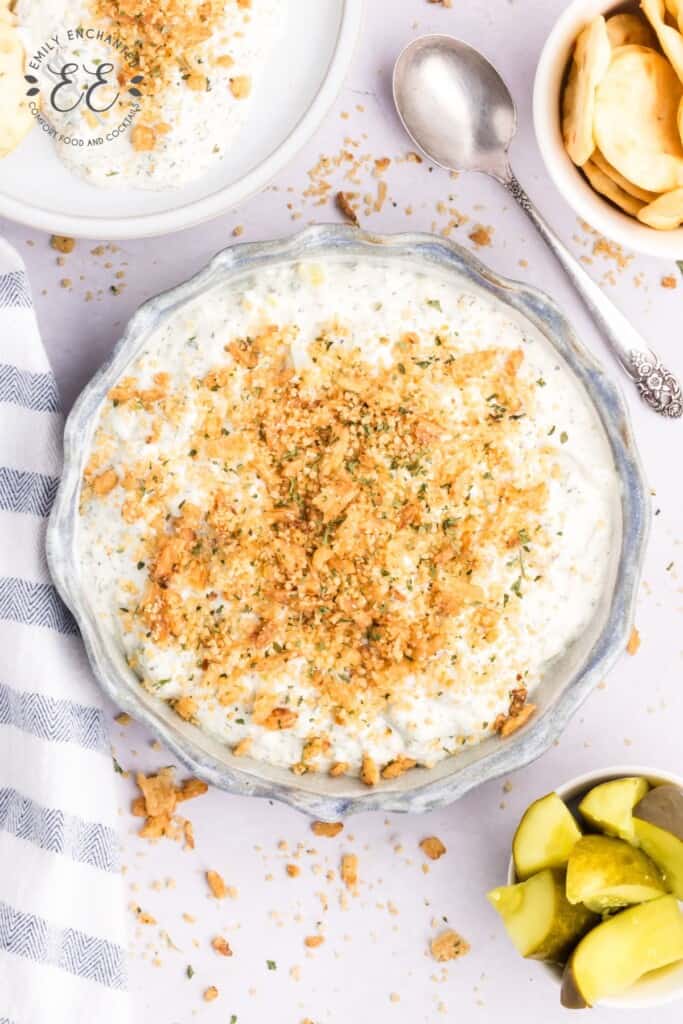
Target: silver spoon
x: 459, y: 112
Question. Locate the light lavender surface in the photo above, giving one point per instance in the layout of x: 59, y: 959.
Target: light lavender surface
x: 633, y: 719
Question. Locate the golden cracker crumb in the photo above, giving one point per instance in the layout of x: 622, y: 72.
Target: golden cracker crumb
x: 221, y: 946
x: 330, y: 829
x: 448, y: 946
x: 62, y: 243
x: 216, y: 884
x: 633, y: 644
x: 349, y: 870
x: 432, y: 847
x: 369, y: 772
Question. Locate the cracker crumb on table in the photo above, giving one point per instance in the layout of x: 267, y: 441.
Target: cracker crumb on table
x: 448, y: 946
x: 432, y: 847
x: 633, y: 644
x: 217, y: 885
x: 221, y: 946
x: 330, y: 829
x: 349, y: 870
x: 62, y: 243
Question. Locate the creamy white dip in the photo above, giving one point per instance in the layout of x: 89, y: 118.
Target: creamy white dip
x: 543, y: 591
x: 200, y: 125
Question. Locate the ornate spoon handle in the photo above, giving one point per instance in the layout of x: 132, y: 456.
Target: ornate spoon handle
x: 656, y: 385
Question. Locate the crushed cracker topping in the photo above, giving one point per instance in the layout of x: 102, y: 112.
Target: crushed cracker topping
x: 369, y: 771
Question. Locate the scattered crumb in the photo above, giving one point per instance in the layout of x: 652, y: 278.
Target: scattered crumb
x: 123, y: 719
x: 633, y: 642
x: 238, y: 230
x: 448, y: 946
x: 210, y: 994
x: 221, y: 945
x: 216, y: 884
x: 62, y: 243
x: 330, y: 829
x: 481, y: 236
x: 313, y: 941
x: 349, y: 870
x: 432, y: 847
x: 669, y: 281
x: 344, y: 205
x: 293, y: 870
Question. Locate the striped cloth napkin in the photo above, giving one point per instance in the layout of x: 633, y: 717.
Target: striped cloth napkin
x: 62, y: 936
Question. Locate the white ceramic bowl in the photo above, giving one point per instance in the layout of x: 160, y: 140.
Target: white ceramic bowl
x: 659, y: 987
x: 587, y: 203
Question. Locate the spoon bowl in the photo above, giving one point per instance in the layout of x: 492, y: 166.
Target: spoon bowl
x: 454, y: 105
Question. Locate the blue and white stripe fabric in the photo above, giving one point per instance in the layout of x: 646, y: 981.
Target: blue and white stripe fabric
x: 62, y: 937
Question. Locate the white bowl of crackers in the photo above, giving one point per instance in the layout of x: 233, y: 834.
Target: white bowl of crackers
x: 608, y: 114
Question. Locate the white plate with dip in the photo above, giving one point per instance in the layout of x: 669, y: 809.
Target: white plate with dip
x: 305, y: 72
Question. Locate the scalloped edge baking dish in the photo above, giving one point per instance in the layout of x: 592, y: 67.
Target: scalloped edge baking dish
x: 560, y: 693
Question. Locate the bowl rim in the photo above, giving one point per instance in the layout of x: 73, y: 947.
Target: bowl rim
x: 424, y: 793
x: 570, y: 790
x: 567, y: 178
x: 223, y: 199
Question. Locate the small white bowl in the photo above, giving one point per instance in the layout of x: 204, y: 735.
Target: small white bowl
x: 659, y: 987
x: 599, y: 212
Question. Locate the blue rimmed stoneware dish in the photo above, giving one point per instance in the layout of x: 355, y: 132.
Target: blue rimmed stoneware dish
x: 567, y: 682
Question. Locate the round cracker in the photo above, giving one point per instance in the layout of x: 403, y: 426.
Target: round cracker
x: 619, y: 179
x: 606, y: 187
x: 665, y: 213
x: 635, y: 124
x: 590, y: 63
x: 629, y: 30
x: 670, y: 39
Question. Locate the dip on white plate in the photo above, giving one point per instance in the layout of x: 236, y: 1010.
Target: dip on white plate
x: 193, y: 65
x: 343, y: 516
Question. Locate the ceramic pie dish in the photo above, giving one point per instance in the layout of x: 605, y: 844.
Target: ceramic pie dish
x: 566, y: 683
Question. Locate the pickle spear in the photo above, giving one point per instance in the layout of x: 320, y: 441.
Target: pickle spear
x: 544, y: 836
x: 658, y: 824
x: 541, y: 922
x: 605, y: 874
x: 609, y: 807
x: 615, y: 954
